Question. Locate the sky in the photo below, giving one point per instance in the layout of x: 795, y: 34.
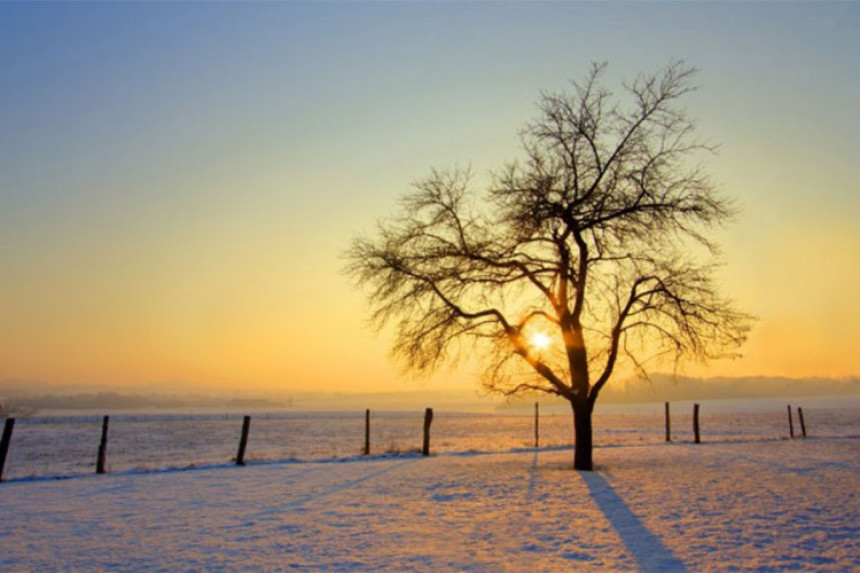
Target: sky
x: 178, y: 180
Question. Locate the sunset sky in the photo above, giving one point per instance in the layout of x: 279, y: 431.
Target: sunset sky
x: 178, y: 180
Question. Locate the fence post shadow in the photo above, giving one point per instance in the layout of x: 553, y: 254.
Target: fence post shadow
x: 645, y: 547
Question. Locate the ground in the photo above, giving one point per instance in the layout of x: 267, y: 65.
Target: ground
x: 756, y: 505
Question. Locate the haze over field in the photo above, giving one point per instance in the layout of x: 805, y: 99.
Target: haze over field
x: 177, y: 180
x: 30, y: 398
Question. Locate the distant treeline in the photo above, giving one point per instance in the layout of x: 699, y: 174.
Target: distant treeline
x: 112, y: 401
x: 667, y: 387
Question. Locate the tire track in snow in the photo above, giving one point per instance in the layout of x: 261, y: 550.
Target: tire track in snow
x: 482, y: 534
x: 331, y: 490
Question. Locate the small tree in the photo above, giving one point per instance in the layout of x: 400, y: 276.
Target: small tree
x: 589, y: 251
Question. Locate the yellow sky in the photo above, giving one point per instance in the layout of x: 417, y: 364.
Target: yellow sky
x: 177, y: 181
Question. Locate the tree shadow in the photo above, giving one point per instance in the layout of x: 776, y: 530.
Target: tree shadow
x: 647, y: 549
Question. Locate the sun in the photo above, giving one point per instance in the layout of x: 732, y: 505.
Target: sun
x: 539, y: 340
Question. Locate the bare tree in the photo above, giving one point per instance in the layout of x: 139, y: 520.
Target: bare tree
x: 589, y: 251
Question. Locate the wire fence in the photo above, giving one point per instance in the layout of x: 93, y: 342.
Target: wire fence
x: 64, y: 446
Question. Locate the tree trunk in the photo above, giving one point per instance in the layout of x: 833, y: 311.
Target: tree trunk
x: 582, y: 459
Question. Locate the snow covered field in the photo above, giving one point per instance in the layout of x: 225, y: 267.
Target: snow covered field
x: 724, y: 506
x: 63, y: 445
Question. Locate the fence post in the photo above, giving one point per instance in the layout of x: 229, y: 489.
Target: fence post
x: 367, y: 432
x: 790, y: 424
x: 4, y: 443
x: 696, y: 423
x: 668, y: 425
x: 537, y: 425
x: 802, y: 424
x: 100, y: 460
x: 243, y: 442
x: 428, y: 419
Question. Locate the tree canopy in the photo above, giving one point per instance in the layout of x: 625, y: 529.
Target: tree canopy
x: 591, y: 249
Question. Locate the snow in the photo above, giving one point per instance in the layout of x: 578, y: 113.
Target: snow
x: 64, y: 446
x: 732, y: 505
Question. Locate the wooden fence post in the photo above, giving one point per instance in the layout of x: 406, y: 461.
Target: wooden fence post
x: 790, y: 424
x: 802, y: 424
x: 4, y: 443
x: 696, y: 423
x: 668, y: 425
x: 537, y: 425
x: 100, y: 460
x: 243, y: 442
x: 367, y: 432
x: 428, y: 419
